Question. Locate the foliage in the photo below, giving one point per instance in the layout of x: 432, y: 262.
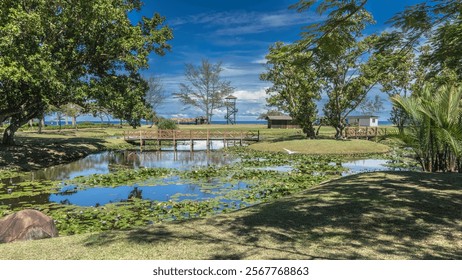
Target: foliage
x: 72, y: 110
x: 398, y: 73
x: 124, y: 96
x: 371, y: 107
x: 167, y: 124
x: 334, y: 57
x: 294, y: 88
x: 58, y: 52
x: 155, y: 97
x: 121, y: 177
x: 435, y: 131
x: 204, y: 90
x: 261, y: 185
x: 438, y: 21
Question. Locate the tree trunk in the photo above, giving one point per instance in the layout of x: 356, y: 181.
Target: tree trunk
x: 8, y: 136
x: 41, y: 123
x: 318, y: 129
x: 74, y: 122
x: 310, y: 132
x: 339, y: 130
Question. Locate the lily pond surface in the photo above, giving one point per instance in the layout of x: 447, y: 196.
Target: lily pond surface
x: 122, y: 189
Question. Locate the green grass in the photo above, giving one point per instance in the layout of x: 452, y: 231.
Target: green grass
x: 35, y: 151
x: 323, y: 147
x: 384, y: 215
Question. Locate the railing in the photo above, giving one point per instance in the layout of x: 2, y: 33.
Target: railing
x: 192, y: 135
x: 367, y: 132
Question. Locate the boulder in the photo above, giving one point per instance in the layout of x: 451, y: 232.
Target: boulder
x: 26, y: 225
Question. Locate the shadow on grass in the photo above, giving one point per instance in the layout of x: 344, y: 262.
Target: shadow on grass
x: 384, y: 215
x: 31, y: 153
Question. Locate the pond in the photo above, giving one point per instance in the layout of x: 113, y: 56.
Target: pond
x: 169, y: 188
x: 105, y: 162
x: 182, y: 184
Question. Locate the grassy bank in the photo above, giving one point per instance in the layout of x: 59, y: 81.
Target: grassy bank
x: 35, y: 151
x: 323, y: 147
x: 368, y: 216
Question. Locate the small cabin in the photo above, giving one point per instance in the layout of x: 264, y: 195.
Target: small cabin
x: 281, y: 122
x: 370, y: 121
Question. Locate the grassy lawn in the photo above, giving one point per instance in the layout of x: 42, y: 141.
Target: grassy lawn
x: 36, y: 151
x: 323, y: 146
x: 382, y: 215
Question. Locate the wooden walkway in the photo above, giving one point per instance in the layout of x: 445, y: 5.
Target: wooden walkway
x: 176, y: 136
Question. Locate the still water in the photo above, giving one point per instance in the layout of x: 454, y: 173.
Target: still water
x: 173, y: 188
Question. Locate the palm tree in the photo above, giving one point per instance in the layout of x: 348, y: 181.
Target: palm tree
x: 435, y: 131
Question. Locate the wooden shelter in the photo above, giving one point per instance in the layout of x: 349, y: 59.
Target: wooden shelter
x: 281, y: 122
x: 366, y: 120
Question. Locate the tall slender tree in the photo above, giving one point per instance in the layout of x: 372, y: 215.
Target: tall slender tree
x: 204, y: 89
x: 338, y: 56
x: 294, y: 89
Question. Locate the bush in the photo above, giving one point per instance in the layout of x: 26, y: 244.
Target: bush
x: 166, y: 124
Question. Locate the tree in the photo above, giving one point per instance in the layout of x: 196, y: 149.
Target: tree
x: 205, y: 90
x: 338, y: 56
x: 371, y: 107
x: 435, y: 130
x: 53, y: 52
x: 397, y: 72
x: 294, y: 89
x: 125, y: 98
x: 96, y: 110
x: 440, y: 23
x: 72, y: 110
x: 155, y: 97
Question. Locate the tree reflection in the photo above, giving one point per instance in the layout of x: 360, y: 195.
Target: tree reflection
x: 135, y: 193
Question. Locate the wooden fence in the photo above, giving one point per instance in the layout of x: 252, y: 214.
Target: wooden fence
x: 368, y: 132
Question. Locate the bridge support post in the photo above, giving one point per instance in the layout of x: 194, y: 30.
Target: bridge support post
x: 207, y: 142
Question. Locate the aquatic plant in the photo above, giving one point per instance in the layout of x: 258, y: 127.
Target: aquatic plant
x: 243, y: 183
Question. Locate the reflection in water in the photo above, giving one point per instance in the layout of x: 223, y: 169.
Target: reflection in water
x: 104, y: 162
x: 365, y: 165
x: 25, y: 201
x: 181, y: 191
x: 171, y: 188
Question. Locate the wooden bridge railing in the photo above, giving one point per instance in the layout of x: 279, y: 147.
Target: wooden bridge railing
x: 190, y: 135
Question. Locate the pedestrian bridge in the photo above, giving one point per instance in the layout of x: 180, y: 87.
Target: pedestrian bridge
x: 191, y: 135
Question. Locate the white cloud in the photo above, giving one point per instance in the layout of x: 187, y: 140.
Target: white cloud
x: 246, y: 95
x: 245, y: 22
x: 262, y: 60
x: 179, y: 116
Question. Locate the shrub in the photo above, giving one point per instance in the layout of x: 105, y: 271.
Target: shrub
x: 166, y: 124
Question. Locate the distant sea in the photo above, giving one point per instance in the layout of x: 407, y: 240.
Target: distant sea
x: 213, y: 122
x: 144, y: 122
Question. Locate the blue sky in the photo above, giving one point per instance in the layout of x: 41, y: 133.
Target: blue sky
x: 238, y: 33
